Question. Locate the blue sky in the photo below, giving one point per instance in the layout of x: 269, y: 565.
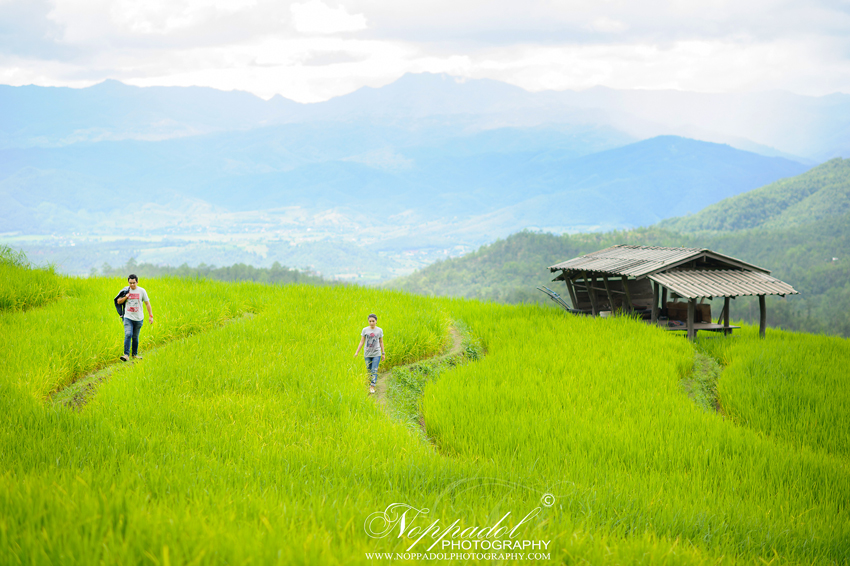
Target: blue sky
x: 312, y: 50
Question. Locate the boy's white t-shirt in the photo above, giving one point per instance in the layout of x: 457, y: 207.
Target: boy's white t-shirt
x: 133, y: 306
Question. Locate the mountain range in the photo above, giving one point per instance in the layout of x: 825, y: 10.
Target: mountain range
x: 807, y: 128
x: 429, y: 162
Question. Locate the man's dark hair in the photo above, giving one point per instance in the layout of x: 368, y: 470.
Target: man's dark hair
x: 133, y: 276
x: 372, y: 316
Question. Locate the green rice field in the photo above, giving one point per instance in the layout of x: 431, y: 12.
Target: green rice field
x: 247, y: 434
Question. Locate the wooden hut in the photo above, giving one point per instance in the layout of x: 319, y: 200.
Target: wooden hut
x: 643, y: 278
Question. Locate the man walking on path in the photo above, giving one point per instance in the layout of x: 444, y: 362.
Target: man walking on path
x: 133, y: 316
x: 373, y: 337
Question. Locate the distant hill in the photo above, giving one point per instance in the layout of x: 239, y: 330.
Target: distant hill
x: 643, y: 182
x: 820, y: 193
x: 36, y: 116
x: 800, y: 244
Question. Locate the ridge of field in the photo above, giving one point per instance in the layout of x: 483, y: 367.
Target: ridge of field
x: 803, y: 240
x: 256, y: 441
x: 821, y: 193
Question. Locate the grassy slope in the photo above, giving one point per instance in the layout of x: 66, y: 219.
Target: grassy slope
x: 24, y: 287
x: 256, y: 441
x: 784, y: 387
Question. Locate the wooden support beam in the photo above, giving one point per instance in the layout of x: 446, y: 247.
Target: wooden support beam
x: 608, y: 292
x: 572, y: 291
x: 664, y: 301
x: 654, y: 318
x: 589, y: 283
x: 628, y: 295
x: 762, y: 316
x: 726, y: 305
x: 692, y: 308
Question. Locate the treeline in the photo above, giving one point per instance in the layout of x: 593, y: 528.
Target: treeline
x: 277, y: 274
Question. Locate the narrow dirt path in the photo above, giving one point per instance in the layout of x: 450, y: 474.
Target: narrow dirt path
x: 385, y: 376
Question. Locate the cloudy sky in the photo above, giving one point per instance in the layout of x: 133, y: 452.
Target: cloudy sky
x: 312, y: 50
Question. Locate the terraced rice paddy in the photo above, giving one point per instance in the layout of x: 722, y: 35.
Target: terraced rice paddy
x: 253, y: 440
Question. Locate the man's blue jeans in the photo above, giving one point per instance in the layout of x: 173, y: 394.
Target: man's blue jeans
x: 131, y: 333
x: 372, y: 368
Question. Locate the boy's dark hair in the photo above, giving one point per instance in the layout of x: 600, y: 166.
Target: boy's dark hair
x: 372, y: 316
x: 133, y: 276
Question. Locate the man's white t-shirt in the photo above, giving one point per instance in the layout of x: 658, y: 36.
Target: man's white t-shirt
x: 133, y: 306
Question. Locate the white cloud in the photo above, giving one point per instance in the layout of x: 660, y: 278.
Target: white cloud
x: 306, y: 50
x: 278, y: 65
x: 164, y: 16
x: 316, y: 17
x: 93, y: 21
x: 607, y: 25
x: 703, y: 66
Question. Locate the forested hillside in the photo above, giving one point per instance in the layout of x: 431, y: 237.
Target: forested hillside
x: 509, y: 270
x: 813, y: 258
x: 820, y: 193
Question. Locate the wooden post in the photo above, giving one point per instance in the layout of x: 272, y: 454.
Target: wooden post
x: 654, y: 318
x: 762, y: 316
x: 572, y: 291
x: 608, y: 292
x: 628, y: 295
x: 663, y: 301
x: 589, y: 283
x: 692, y: 307
x: 726, y: 303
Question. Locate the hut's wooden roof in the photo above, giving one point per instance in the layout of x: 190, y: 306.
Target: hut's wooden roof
x: 692, y: 284
x: 642, y: 261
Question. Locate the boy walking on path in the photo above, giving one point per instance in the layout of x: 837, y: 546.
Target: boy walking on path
x: 373, y: 337
x: 133, y: 316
